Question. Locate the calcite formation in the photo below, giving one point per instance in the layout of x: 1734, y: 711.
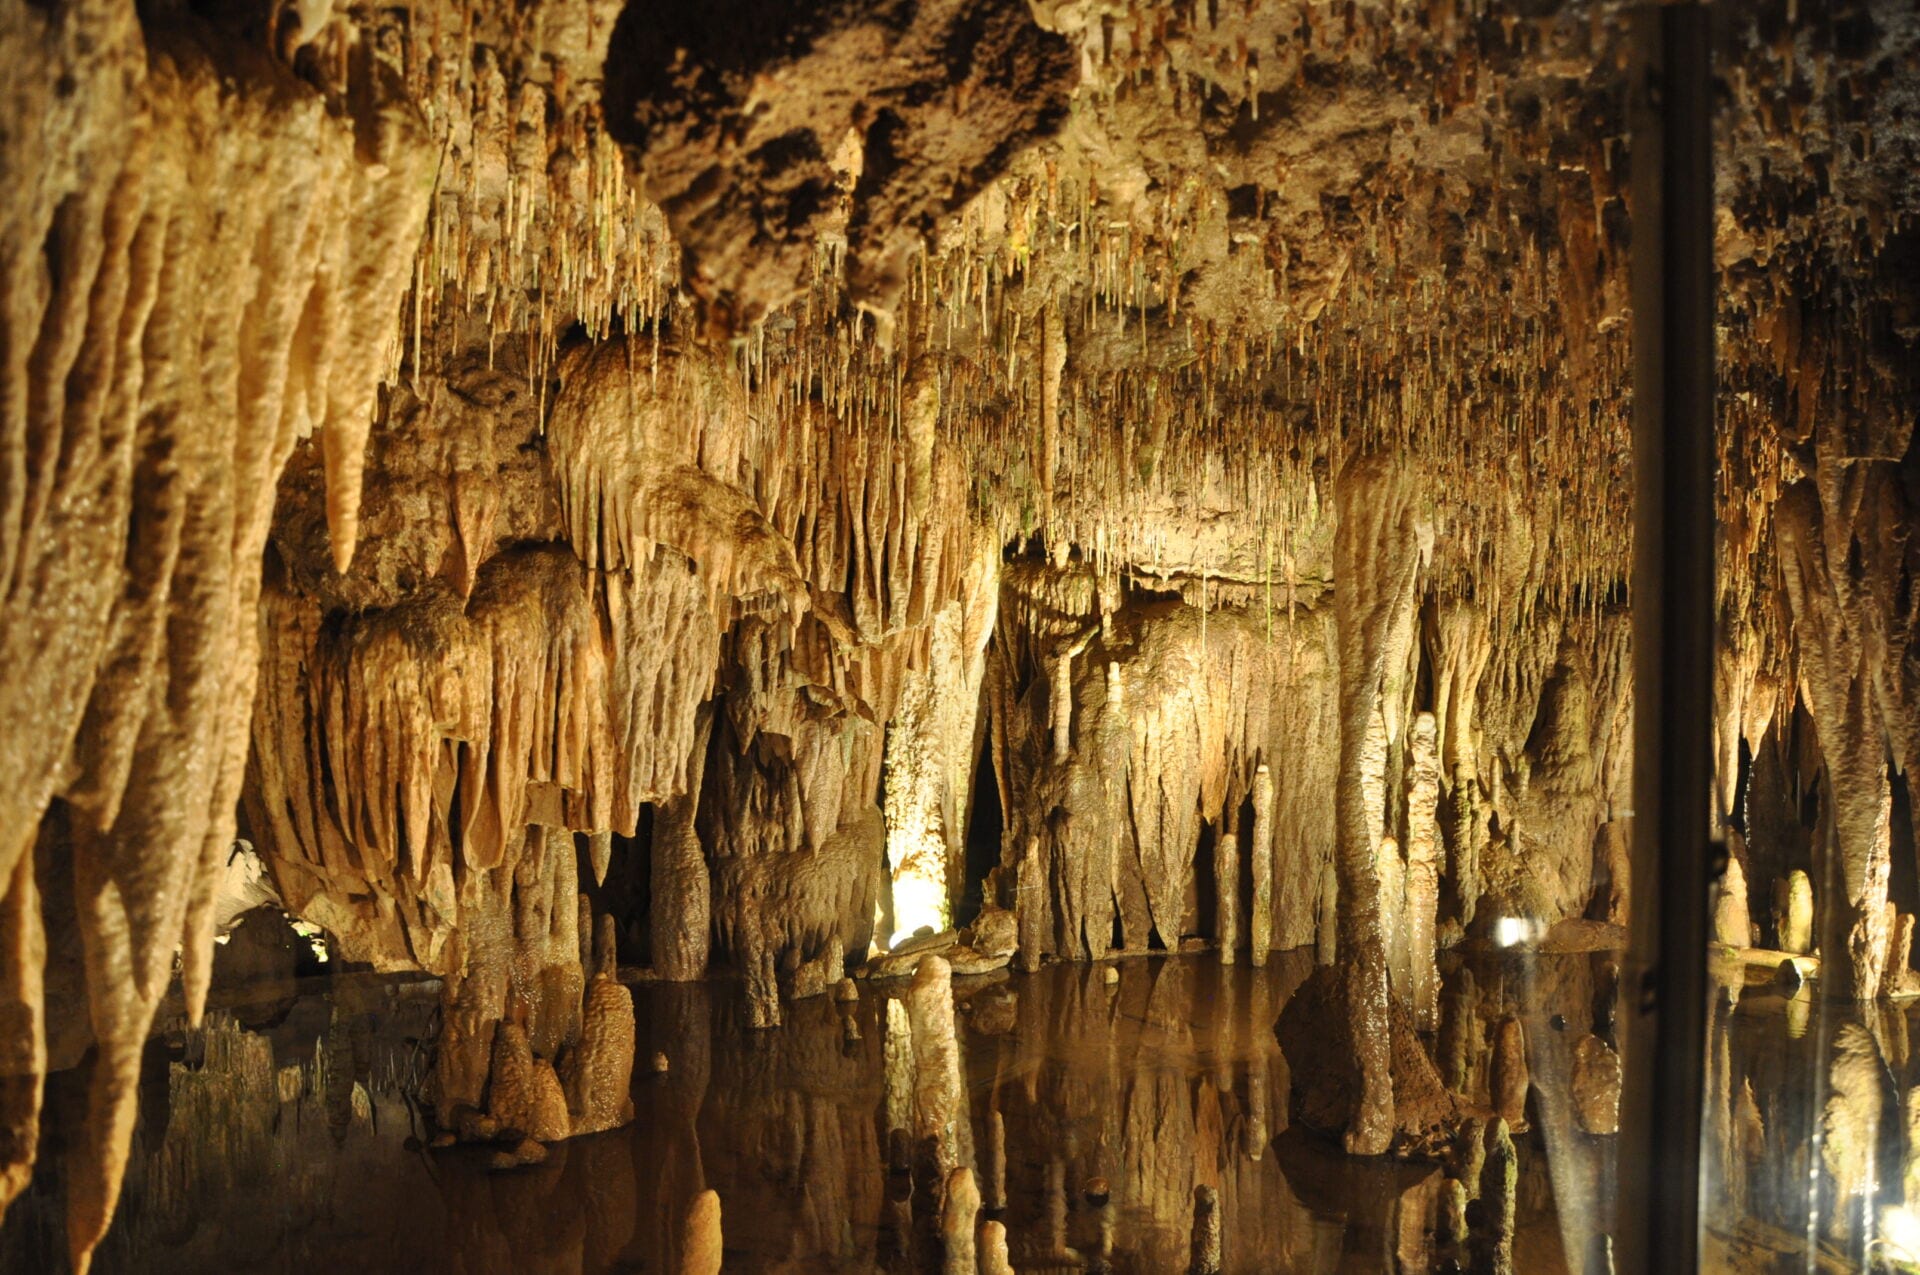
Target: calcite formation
x: 758, y: 483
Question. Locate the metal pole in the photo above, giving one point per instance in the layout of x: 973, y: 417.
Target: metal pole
x: 1663, y: 995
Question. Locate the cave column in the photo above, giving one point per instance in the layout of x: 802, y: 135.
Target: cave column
x: 1836, y: 682
x: 932, y: 744
x: 1377, y: 556
x: 1226, y: 877
x: 1423, y: 872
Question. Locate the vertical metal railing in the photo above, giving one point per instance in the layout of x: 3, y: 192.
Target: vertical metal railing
x: 1664, y: 993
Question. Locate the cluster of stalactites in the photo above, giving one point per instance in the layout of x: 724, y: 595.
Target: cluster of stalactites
x: 1394, y: 769
x: 399, y: 753
x: 185, y: 304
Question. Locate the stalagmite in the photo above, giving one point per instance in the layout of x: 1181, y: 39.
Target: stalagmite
x: 1031, y: 906
x: 958, y: 1209
x: 1453, y: 1212
x: 1793, y: 913
x: 701, y: 1248
x: 598, y: 1073
x: 1261, y: 924
x: 1226, y: 877
x: 1730, y: 919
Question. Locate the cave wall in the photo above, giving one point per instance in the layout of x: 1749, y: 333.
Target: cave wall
x: 408, y: 445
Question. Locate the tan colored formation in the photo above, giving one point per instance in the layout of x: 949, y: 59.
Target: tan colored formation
x: 373, y: 469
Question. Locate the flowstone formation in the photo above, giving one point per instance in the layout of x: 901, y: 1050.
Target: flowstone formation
x: 592, y: 493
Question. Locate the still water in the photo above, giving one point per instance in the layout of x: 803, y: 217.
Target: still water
x: 284, y: 1138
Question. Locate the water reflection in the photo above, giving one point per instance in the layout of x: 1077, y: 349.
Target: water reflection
x: 1101, y: 1098
x: 1810, y: 1131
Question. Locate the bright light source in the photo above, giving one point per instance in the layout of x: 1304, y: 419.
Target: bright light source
x: 1900, y: 1231
x: 918, y: 901
x: 1509, y: 930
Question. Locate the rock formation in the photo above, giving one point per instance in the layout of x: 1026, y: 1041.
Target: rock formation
x: 1154, y: 477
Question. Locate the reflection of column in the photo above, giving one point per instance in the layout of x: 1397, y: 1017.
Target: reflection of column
x: 1206, y: 1232
x: 680, y: 1017
x: 1851, y: 1124
x: 700, y: 1246
x: 1057, y: 1210
x: 939, y: 1091
x: 1417, y: 1224
x: 899, y: 1066
x: 1910, y: 1176
x: 1459, y: 1029
x: 957, y: 1215
x: 1223, y: 1029
x: 993, y: 1249
x: 996, y: 1161
x: 1261, y: 930
x: 1259, y: 1039
x: 1499, y: 1189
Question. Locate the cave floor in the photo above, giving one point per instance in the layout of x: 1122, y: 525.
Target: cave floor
x: 283, y: 1138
